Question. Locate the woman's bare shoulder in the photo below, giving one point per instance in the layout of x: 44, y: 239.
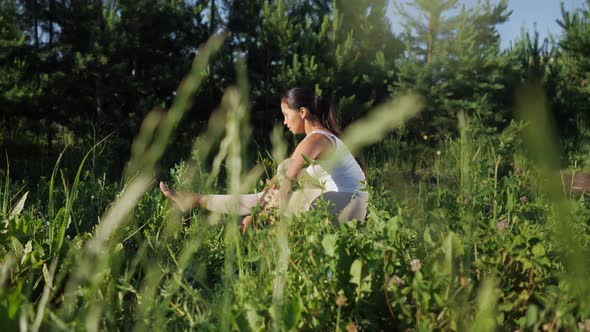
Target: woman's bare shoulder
x: 313, y: 146
x: 315, y: 140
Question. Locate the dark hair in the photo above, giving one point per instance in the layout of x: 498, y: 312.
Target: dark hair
x: 319, y: 106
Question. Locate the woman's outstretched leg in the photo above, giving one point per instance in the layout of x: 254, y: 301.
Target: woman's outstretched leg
x: 240, y: 204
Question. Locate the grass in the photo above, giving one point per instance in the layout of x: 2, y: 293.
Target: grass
x: 477, y: 239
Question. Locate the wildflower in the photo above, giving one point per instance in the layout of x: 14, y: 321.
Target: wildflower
x: 464, y: 281
x: 396, y: 281
x: 502, y: 225
x: 425, y: 137
x: 523, y: 199
x: 330, y: 275
x: 352, y: 327
x: 438, y: 152
x: 269, y: 205
x: 341, y: 300
x: 416, y: 265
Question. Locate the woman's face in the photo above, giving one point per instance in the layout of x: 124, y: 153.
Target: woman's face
x: 293, y: 119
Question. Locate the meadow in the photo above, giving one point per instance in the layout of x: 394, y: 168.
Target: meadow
x: 481, y: 235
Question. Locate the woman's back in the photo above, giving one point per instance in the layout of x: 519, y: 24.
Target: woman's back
x: 343, y: 174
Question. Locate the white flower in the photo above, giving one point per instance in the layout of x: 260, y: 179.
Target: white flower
x: 585, y: 326
x: 416, y: 265
x: 502, y: 225
x: 396, y: 281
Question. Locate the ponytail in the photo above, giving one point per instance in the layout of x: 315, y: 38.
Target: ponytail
x: 319, y: 106
x: 327, y: 115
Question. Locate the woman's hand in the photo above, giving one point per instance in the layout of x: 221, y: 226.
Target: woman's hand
x: 245, y: 223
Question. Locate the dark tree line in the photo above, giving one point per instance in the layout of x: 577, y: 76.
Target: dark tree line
x: 103, y: 64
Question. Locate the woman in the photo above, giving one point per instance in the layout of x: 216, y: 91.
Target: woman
x: 341, y: 185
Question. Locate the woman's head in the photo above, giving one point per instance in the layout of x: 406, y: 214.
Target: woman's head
x: 301, y: 104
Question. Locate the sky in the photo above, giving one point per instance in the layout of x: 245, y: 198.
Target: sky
x: 525, y: 13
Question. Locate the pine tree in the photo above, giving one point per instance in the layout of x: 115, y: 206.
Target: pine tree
x: 366, y: 64
x: 37, y: 59
x: 349, y: 56
x: 12, y: 67
x: 421, y: 34
x: 575, y: 42
x: 453, y: 58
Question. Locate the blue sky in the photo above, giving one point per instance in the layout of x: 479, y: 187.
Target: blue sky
x: 525, y: 13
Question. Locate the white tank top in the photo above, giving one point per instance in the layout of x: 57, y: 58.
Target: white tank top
x: 346, y: 175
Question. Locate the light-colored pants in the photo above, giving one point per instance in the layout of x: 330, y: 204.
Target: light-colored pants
x: 346, y: 206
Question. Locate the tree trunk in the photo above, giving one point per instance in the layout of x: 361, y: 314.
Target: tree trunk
x: 431, y: 21
x: 212, y: 17
x: 49, y: 135
x: 50, y: 108
x: 97, y: 84
x: 36, y: 27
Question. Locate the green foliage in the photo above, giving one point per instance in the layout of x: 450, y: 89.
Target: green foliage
x: 466, y: 234
x: 75, y: 71
x: 477, y: 248
x: 12, y: 71
x: 576, y: 72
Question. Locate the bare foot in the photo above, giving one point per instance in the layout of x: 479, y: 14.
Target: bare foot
x: 168, y: 193
x: 184, y: 201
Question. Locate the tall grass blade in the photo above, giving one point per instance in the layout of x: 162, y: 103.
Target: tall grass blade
x: 18, y: 208
x: 50, y: 203
x: 6, y: 195
x: 540, y: 137
x: 145, y: 154
x: 74, y: 191
x: 380, y: 121
x: 62, y: 224
x: 45, y: 297
x: 235, y: 136
x: 140, y: 171
x: 485, y: 318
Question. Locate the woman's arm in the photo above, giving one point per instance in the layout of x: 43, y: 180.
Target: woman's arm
x: 311, y: 148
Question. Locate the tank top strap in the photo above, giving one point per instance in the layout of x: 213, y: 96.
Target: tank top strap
x: 331, y: 136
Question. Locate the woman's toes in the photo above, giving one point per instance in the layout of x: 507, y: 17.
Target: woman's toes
x: 165, y: 190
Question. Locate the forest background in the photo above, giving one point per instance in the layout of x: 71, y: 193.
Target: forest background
x: 73, y: 72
